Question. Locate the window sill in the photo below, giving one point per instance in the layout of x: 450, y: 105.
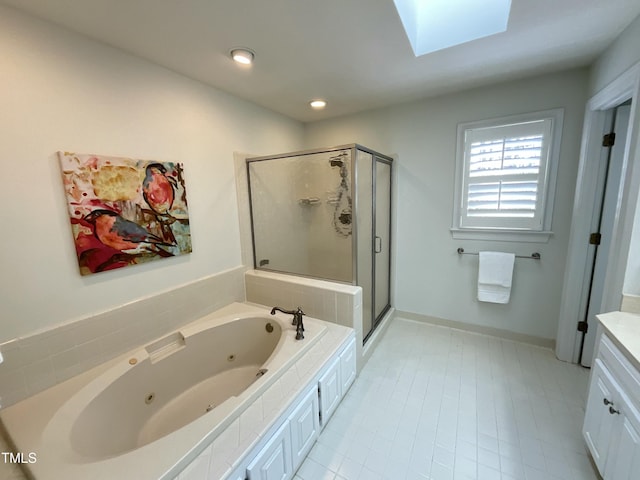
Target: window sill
x: 526, y: 236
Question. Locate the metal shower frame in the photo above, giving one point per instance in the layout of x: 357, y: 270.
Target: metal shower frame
x: 376, y: 156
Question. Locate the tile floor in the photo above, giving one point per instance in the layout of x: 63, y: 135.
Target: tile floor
x: 437, y: 403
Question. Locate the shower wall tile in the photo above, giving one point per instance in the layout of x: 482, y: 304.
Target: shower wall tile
x: 39, y: 361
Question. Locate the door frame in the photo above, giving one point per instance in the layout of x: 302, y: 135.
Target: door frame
x: 603, y: 218
x: 624, y: 87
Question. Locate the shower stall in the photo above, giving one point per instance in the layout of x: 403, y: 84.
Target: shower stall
x: 326, y: 214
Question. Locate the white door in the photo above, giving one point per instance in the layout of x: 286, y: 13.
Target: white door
x: 604, y: 221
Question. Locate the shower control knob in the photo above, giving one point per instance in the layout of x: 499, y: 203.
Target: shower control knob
x: 613, y: 411
x: 607, y: 401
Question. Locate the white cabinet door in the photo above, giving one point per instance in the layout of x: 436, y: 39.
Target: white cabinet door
x: 598, y: 421
x: 330, y: 392
x: 274, y: 460
x: 623, y: 460
x: 305, y: 427
x: 348, y: 366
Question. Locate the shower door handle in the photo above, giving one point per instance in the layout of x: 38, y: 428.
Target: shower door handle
x: 378, y: 244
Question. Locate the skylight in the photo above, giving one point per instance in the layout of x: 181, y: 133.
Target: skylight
x: 433, y: 25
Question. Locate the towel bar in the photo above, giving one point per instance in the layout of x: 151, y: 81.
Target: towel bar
x: 533, y: 256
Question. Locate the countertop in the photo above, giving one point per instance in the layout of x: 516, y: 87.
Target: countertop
x: 624, y: 330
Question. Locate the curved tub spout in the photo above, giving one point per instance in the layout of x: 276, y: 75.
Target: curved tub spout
x: 297, y: 319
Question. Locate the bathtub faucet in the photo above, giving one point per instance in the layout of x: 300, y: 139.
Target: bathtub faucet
x: 297, y: 319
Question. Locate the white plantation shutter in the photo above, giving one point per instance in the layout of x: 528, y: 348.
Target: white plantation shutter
x: 504, y: 175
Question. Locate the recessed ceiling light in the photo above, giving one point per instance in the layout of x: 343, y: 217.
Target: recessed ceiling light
x: 243, y: 56
x: 318, y: 104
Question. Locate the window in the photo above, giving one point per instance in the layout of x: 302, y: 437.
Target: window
x: 505, y: 177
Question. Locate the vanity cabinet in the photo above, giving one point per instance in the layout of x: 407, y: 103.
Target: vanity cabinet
x: 612, y: 420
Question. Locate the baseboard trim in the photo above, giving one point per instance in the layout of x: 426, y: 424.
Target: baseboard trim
x: 481, y: 329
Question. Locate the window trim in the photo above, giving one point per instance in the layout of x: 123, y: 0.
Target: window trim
x: 549, y: 183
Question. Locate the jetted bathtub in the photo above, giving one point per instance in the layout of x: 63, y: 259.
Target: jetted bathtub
x: 153, y: 406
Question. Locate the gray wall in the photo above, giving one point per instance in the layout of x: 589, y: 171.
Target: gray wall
x: 430, y: 278
x: 61, y: 91
x: 621, y: 55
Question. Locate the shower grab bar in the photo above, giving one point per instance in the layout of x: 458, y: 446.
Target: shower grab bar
x: 533, y: 256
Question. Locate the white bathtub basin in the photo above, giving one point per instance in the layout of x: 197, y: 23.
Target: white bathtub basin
x: 154, y: 404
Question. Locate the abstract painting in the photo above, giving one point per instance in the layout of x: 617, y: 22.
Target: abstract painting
x: 123, y: 211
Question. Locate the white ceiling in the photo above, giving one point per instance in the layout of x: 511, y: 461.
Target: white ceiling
x: 353, y: 53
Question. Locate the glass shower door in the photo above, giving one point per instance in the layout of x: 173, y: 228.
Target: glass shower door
x: 301, y: 208
x: 373, y: 236
x: 382, y: 241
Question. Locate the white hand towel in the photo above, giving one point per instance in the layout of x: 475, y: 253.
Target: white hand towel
x: 495, y: 272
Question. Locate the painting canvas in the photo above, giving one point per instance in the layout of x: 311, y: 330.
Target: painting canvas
x: 123, y: 211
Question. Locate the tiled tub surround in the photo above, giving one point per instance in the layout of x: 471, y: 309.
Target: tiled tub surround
x: 339, y: 303
x: 46, y: 358
x: 222, y: 437
x: 334, y: 302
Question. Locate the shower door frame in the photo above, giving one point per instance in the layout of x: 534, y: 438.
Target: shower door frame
x: 375, y: 157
